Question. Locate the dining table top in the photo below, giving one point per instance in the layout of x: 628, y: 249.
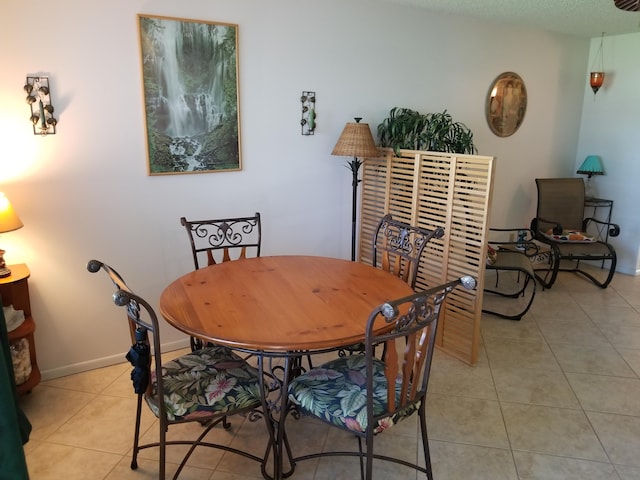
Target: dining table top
x: 279, y: 303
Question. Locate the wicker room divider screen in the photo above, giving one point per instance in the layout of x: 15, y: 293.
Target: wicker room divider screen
x: 433, y: 189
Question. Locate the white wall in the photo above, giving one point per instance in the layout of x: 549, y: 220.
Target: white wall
x: 610, y: 128
x: 84, y: 193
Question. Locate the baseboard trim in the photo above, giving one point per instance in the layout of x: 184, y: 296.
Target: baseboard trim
x: 102, y: 362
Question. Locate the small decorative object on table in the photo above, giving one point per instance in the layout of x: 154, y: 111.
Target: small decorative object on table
x: 522, y: 238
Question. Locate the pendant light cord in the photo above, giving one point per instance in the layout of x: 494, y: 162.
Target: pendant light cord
x: 600, y: 55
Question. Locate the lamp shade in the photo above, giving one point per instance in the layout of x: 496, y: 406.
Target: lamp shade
x: 9, y: 221
x: 356, y: 141
x: 592, y: 165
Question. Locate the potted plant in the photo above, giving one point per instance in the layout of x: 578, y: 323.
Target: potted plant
x: 434, y: 132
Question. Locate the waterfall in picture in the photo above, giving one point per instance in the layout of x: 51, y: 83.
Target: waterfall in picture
x: 190, y: 95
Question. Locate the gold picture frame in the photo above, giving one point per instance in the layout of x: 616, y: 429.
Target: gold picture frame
x: 191, y: 101
x: 506, y: 104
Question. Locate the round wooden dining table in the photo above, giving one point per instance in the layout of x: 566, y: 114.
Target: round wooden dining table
x: 279, y: 307
x: 280, y: 303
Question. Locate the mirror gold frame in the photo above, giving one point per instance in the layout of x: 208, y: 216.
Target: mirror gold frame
x: 506, y: 104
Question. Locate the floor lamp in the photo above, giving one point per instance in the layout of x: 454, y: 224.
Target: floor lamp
x: 355, y: 141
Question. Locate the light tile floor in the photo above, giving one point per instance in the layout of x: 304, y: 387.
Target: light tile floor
x: 553, y: 396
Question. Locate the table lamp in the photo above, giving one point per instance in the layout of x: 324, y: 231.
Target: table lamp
x: 356, y: 140
x: 9, y: 222
x: 592, y: 165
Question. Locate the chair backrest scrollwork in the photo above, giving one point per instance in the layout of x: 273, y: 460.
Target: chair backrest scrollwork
x: 226, y: 235
x: 398, y: 246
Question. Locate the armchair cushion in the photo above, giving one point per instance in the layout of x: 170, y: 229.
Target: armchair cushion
x: 570, y: 236
x: 229, y: 383
x: 336, y: 392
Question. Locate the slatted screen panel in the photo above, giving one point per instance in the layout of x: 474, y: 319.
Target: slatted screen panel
x: 433, y: 190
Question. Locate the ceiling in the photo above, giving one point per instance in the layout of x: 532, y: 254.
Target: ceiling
x: 584, y: 18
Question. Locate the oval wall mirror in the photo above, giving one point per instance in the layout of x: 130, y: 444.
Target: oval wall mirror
x: 506, y: 104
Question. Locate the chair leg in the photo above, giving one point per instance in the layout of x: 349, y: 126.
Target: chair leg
x: 599, y: 283
x: 369, y: 470
x: 136, y: 435
x: 425, y: 441
x: 547, y: 276
x: 309, y: 361
x: 287, y: 449
x: 163, y: 450
x: 361, y: 458
x: 196, y: 344
x: 522, y: 293
x: 196, y: 444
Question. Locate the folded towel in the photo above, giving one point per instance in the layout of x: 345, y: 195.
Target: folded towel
x: 13, y: 318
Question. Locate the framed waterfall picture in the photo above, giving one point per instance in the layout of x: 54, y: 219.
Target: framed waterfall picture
x: 191, y: 103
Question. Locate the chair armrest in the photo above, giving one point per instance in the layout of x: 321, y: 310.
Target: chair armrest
x: 614, y: 228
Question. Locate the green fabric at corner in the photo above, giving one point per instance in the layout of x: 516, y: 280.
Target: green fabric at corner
x: 14, y: 425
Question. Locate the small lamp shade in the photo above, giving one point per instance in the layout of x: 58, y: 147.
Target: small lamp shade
x: 9, y: 220
x: 592, y: 165
x: 356, y: 141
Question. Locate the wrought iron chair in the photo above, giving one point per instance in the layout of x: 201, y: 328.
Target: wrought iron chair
x: 223, y: 236
x: 398, y: 246
x: 560, y: 223
x: 215, y: 241
x: 397, y: 249
x: 364, y: 395
x: 509, y: 271
x: 223, y: 240
x: 186, y: 389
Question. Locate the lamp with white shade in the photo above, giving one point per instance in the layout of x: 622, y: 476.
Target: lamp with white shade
x: 9, y: 221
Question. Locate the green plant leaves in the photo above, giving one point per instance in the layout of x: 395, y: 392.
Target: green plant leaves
x: 435, y: 132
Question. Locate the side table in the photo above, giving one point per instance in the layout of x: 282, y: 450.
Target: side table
x: 14, y: 290
x: 597, y: 203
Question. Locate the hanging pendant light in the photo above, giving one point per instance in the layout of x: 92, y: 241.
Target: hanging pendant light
x: 597, y: 76
x: 596, y: 80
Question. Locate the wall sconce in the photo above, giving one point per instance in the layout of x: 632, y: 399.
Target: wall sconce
x: 39, y: 99
x: 596, y: 77
x: 308, y: 121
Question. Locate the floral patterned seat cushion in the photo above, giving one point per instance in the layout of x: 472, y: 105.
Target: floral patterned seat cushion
x: 211, y: 380
x: 569, y: 236
x: 336, y: 392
